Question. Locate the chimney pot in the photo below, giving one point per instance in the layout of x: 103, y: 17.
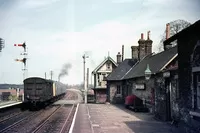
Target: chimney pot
x: 122, y: 52
x: 142, y: 36
x: 148, y: 33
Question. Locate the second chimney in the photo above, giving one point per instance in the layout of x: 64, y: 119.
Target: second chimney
x: 167, y: 30
x: 134, y: 51
x: 119, y: 58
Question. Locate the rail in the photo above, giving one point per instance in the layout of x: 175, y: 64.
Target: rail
x: 43, y: 123
x: 67, y: 121
x: 16, y: 123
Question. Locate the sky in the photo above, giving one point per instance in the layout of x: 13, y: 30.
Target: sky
x: 57, y: 32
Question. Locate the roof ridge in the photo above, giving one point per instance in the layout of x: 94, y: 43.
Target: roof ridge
x: 165, y: 50
x: 103, y: 62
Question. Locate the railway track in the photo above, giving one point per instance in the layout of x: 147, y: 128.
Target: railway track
x: 15, y: 124
x: 10, y: 116
x: 60, y: 125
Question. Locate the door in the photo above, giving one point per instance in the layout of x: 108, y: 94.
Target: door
x: 168, y: 99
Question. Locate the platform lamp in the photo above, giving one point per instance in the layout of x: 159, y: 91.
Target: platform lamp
x: 147, y: 73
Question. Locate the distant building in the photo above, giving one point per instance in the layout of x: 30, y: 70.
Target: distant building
x: 14, y: 92
x: 99, y: 74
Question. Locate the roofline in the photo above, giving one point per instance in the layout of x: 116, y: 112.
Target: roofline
x: 94, y: 71
x: 169, y: 61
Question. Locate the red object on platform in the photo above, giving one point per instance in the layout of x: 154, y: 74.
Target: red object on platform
x: 129, y: 99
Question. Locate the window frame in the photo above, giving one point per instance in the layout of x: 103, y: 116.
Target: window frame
x: 119, y: 90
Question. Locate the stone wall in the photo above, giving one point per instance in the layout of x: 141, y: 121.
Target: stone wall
x: 113, y: 97
x: 147, y: 94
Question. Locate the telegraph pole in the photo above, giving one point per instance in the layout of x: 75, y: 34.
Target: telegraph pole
x: 87, y: 78
x: 84, y: 79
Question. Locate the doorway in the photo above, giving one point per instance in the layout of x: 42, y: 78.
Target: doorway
x: 168, y: 99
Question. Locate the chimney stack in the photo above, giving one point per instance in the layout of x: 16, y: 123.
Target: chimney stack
x: 167, y: 30
x: 141, y: 47
x: 134, y: 51
x: 119, y: 58
x: 122, y: 52
x: 167, y: 36
x: 148, y: 45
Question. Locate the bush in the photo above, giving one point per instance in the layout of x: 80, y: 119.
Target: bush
x: 13, y: 98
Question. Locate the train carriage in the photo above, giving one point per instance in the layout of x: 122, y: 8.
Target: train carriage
x: 39, y: 91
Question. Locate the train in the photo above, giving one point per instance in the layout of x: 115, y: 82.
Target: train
x: 39, y: 92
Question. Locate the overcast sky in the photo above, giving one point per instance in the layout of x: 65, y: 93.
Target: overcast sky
x: 61, y: 31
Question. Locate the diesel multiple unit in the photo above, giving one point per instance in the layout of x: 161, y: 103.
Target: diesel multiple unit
x: 39, y: 91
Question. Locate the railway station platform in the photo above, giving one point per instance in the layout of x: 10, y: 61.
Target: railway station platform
x: 107, y: 118
x: 4, y: 104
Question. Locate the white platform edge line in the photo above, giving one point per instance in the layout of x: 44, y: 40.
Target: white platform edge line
x: 8, y: 105
x: 73, y: 122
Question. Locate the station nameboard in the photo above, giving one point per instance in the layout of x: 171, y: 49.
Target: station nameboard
x: 139, y: 86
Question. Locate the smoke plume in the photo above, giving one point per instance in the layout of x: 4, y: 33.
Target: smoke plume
x: 64, y: 70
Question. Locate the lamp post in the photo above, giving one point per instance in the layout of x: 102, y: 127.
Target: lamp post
x: 147, y: 73
x: 84, y: 79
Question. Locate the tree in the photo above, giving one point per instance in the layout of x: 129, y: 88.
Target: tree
x: 175, y: 27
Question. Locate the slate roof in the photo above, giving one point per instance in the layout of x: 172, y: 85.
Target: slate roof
x: 119, y: 72
x: 102, y: 63
x: 156, y: 63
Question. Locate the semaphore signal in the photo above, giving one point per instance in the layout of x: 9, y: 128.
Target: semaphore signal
x: 21, y: 45
x: 24, y: 60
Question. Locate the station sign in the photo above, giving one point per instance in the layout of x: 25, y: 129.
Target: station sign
x: 166, y: 74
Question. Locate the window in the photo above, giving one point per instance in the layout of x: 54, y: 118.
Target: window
x: 104, y: 76
x: 108, y: 65
x: 99, y: 83
x: 119, y: 90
